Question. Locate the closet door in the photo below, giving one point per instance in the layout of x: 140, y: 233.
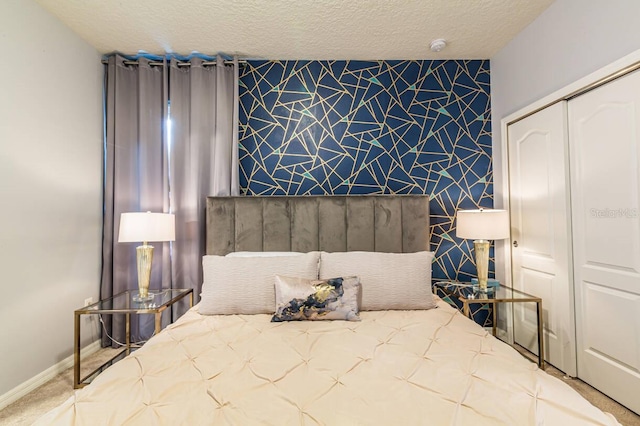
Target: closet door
x: 605, y: 166
x: 541, y: 236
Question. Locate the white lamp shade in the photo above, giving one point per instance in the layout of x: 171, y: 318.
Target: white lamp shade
x: 141, y: 227
x: 484, y: 224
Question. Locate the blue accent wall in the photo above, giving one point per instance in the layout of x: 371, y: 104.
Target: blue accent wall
x: 373, y: 127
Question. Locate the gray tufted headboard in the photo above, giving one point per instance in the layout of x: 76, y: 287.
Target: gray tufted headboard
x: 387, y: 223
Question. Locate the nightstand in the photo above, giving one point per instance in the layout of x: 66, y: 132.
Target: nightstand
x: 123, y: 303
x: 468, y: 294
x: 480, y: 313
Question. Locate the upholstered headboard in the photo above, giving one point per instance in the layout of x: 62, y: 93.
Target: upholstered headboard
x: 387, y: 223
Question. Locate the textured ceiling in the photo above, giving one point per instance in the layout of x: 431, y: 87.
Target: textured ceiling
x: 300, y: 29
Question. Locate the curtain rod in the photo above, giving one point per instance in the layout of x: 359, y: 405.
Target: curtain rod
x: 180, y: 64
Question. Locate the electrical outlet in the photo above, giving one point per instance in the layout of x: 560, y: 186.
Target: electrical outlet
x: 88, y: 301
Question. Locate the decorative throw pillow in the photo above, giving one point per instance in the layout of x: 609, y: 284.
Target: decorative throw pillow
x: 300, y: 299
x: 244, y: 285
x: 390, y: 281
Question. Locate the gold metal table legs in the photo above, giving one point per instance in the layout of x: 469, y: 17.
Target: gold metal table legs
x: 494, y: 308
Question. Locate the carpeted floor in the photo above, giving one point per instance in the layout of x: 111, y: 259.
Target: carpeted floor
x: 26, y: 410
x: 29, y: 408
x: 625, y: 416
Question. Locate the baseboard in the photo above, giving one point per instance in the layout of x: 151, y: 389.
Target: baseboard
x: 21, y: 390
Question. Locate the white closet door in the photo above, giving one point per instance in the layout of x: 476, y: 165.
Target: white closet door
x: 604, y: 150
x: 540, y: 226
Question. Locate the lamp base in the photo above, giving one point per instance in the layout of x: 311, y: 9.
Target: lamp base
x: 491, y: 282
x: 144, y: 257
x: 141, y: 299
x: 486, y: 290
x: 481, y: 248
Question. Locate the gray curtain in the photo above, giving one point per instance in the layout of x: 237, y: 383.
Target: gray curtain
x: 136, y: 178
x: 204, y: 156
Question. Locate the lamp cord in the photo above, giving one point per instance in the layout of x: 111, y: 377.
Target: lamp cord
x: 134, y: 344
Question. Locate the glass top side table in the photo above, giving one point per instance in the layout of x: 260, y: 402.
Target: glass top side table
x: 468, y: 293
x: 123, y: 303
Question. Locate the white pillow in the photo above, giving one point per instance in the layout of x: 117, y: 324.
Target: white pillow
x: 263, y: 253
x: 389, y: 280
x: 245, y: 285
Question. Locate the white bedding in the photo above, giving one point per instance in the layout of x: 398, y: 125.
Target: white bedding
x: 430, y: 367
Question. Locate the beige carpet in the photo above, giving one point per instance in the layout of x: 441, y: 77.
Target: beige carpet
x: 26, y: 410
x: 29, y: 408
x: 623, y: 414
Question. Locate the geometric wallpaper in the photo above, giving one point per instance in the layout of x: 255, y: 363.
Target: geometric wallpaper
x: 373, y: 127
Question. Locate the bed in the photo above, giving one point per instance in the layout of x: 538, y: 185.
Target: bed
x: 409, y: 358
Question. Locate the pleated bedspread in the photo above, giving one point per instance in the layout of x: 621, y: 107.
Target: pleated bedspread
x: 432, y: 367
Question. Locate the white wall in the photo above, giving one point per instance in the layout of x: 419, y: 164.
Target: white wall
x: 569, y: 40
x: 50, y: 188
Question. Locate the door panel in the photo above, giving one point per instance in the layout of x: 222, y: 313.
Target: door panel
x: 540, y: 222
x: 604, y: 146
x: 617, y: 310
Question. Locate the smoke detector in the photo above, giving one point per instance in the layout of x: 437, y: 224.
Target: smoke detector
x: 438, y: 44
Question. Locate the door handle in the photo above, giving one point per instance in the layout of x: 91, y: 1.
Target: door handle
x: 515, y: 243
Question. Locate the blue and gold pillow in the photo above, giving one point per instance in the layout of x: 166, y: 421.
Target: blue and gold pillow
x: 299, y: 299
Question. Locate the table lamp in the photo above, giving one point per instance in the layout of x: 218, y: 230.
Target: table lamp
x: 482, y: 225
x: 145, y: 227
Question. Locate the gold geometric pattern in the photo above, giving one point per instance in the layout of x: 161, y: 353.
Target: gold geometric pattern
x: 366, y: 127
